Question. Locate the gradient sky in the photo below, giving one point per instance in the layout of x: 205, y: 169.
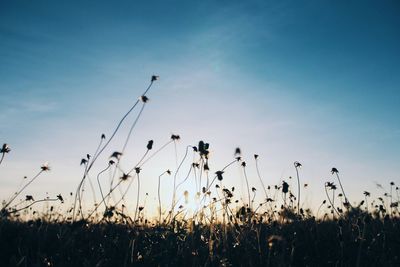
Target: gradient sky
x: 313, y: 81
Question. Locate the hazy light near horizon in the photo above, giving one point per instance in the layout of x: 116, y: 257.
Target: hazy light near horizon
x: 314, y: 83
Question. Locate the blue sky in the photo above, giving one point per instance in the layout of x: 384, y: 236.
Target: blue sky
x: 316, y: 82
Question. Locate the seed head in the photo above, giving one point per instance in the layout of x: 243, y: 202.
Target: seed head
x: 5, y: 149
x: 125, y: 177
x: 144, y: 99
x: 334, y: 170
x: 219, y: 175
x: 150, y: 144
x: 45, y: 167
x: 297, y: 164
x: 175, y: 137
x: 116, y: 155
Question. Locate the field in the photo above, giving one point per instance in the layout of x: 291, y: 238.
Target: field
x: 224, y: 230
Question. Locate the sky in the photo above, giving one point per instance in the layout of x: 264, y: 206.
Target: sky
x: 312, y: 81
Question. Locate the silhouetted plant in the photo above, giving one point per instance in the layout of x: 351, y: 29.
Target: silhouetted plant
x: 5, y: 149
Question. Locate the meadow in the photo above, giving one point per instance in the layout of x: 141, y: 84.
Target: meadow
x: 225, y: 229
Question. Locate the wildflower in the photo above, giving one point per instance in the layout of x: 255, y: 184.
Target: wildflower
x: 367, y: 194
x: 297, y: 164
x: 125, y: 177
x: 392, y: 183
x: 175, y: 137
x: 154, y: 78
x: 116, y: 155
x: 255, y: 156
x: 253, y: 189
x: 141, y: 208
x: 144, y: 99
x: 5, y: 149
x: 243, y: 164
x: 103, y: 136
x: 169, y: 172
x: 206, y: 167
x: 29, y: 198
x: 45, y: 167
x: 111, y: 162
x: 137, y: 170
x: 150, y: 145
x: 238, y: 152
x: 285, y: 187
x: 219, y: 175
x: 334, y: 170
x: 83, y: 161
x: 59, y: 197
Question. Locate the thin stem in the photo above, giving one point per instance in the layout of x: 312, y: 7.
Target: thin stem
x: 22, y: 189
x: 98, y: 182
x: 37, y: 201
x: 341, y: 187
x: 118, y: 126
x: 298, y: 191
x: 2, y: 157
x: 126, y: 141
x: 259, y: 177
x: 248, y: 188
x: 156, y: 152
x: 137, y: 198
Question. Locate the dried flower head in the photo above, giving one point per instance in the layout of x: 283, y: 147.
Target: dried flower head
x: 116, y: 155
x: 175, y: 137
x: 137, y: 170
x: 5, y: 149
x: 334, y: 170
x: 150, y: 145
x: 83, y: 161
x: 45, y: 167
x: 297, y: 164
x: 285, y: 187
x: 238, y: 152
x: 144, y: 99
x: 168, y: 172
x: 125, y: 177
x: 155, y: 78
x: 59, y: 197
x: 219, y: 175
x: 29, y: 198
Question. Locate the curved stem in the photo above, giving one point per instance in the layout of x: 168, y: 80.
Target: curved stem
x: 341, y: 187
x: 37, y: 201
x: 117, y: 128
x: 98, y: 182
